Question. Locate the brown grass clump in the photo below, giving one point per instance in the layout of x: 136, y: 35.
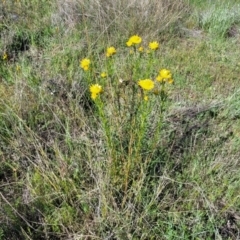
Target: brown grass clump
x: 121, y: 17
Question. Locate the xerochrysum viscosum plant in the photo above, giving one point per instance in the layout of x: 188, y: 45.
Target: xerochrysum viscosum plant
x: 128, y: 86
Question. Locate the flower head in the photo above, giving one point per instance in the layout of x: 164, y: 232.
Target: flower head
x: 134, y: 40
x: 164, y: 75
x: 154, y: 45
x: 85, y: 63
x: 5, y: 56
x: 140, y: 49
x: 95, y: 89
x: 110, y: 51
x: 145, y: 98
x: 103, y: 74
x: 18, y: 68
x: 146, y: 84
x: 131, y: 51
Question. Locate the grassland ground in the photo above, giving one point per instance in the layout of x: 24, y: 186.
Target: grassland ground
x: 125, y: 163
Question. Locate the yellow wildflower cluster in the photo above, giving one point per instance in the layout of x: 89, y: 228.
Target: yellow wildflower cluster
x: 135, y: 40
x: 147, y: 85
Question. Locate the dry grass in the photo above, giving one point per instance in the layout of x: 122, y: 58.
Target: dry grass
x: 119, y: 17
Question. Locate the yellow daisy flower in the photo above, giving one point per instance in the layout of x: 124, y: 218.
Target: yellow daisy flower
x: 146, y: 84
x: 5, y: 56
x: 85, y: 63
x: 153, y: 45
x: 95, y: 89
x: 134, y: 40
x: 103, y: 75
x: 110, y: 51
x: 166, y: 74
x: 18, y: 68
x: 140, y: 49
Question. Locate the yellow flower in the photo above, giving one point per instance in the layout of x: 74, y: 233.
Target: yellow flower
x: 166, y: 74
x: 18, y: 68
x: 153, y: 45
x: 146, y: 98
x: 5, y: 56
x: 134, y: 40
x: 131, y: 51
x: 103, y: 74
x: 140, y: 49
x: 110, y: 51
x: 95, y: 88
x: 146, y: 84
x: 85, y: 63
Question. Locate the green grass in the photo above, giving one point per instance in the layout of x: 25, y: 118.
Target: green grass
x: 119, y: 167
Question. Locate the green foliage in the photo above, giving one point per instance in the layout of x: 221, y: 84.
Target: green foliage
x: 219, y: 18
x: 1, y: 234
